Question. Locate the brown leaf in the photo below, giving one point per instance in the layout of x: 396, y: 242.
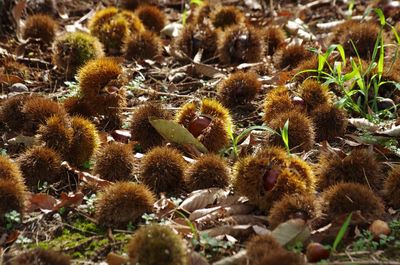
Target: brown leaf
x: 41, y: 201
x: 17, y: 11
x: 245, y: 219
x: 202, y: 212
x: 237, y: 259
x: 115, y: 259
x: 208, y: 70
x: 69, y: 200
x: 202, y: 198
x: 292, y: 231
x: 163, y: 206
x: 88, y: 178
x: 12, y: 237
x: 10, y: 79
x: 238, y: 231
x: 197, y: 259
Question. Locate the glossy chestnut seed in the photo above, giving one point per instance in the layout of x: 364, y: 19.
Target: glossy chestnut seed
x: 270, y: 177
x: 316, y: 252
x: 199, y: 124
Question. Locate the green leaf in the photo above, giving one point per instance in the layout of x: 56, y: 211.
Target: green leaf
x: 285, y: 135
x: 184, y: 17
x: 341, y: 232
x: 396, y: 34
x: 196, y: 2
x: 245, y: 132
x: 381, y: 16
x: 176, y: 133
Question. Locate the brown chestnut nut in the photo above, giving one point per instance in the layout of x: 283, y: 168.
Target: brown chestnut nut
x: 270, y: 178
x: 198, y: 125
x: 378, y: 228
x: 316, y: 252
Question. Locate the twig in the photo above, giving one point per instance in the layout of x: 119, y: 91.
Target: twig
x: 152, y: 91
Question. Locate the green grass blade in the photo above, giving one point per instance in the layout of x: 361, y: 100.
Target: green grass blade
x: 381, y: 16
x: 285, y: 135
x: 342, y: 232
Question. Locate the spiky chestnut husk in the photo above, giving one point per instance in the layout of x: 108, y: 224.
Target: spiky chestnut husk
x: 344, y: 198
x: 133, y: 4
x: 278, y: 101
x: 100, y: 87
x: 201, y: 14
x: 9, y: 170
x: 392, y: 186
x: 77, y: 106
x: 37, y: 110
x: 209, y: 171
x: 341, y: 30
x: 104, y: 23
x: 40, y: 257
x: 144, y: 45
x: 239, y: 88
x: 273, y: 37
x: 314, y: 94
x: 304, y: 170
x: 304, y: 65
x: 40, y: 164
x: 12, y: 67
x: 303, y: 206
x: 241, y: 44
x: 282, y: 257
x: 112, y: 27
x: 96, y: 74
x: 363, y: 35
x: 214, y: 108
x: 162, y: 170
x: 330, y: 122
x: 122, y: 203
x: 301, y: 133
x: 157, y: 245
x: 226, y: 16
x: 84, y: 143
x: 264, y: 180
x: 141, y: 129
x: 210, y: 123
x: 40, y: 27
x: 13, y: 197
x: 194, y: 37
x: 115, y: 162
x: 290, y: 56
x: 57, y: 134
x: 260, y: 246
x: 215, y: 136
x: 72, y: 50
x: 360, y: 166
x: 152, y: 17
x: 11, y: 112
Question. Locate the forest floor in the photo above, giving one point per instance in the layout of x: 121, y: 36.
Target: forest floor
x: 215, y: 223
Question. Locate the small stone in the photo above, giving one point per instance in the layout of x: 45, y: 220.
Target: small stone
x: 18, y: 87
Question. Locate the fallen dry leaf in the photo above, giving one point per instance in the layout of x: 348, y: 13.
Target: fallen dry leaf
x: 291, y: 232
x: 202, y: 198
x: 41, y: 201
x: 67, y: 200
x: 197, y: 259
x: 115, y: 259
x: 237, y: 259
